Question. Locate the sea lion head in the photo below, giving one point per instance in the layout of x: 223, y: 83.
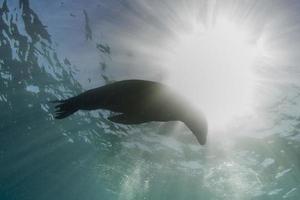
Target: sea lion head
x: 197, y: 123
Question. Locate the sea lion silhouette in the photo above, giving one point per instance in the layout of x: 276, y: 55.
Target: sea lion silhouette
x: 136, y: 102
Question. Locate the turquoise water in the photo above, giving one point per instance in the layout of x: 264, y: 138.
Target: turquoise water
x: 45, y: 53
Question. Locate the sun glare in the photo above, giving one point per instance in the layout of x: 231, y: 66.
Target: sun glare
x: 213, y: 68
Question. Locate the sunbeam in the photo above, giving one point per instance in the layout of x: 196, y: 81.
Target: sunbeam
x: 213, y: 67
x: 237, y: 61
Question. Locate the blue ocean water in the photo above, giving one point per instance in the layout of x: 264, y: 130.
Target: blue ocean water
x: 55, y: 49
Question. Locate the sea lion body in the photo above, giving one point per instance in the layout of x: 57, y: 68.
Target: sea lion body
x: 137, y: 101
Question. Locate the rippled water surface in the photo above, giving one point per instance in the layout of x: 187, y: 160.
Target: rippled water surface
x: 55, y: 49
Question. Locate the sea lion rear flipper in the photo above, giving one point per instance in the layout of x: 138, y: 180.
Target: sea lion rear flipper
x: 126, y: 119
x: 64, y: 108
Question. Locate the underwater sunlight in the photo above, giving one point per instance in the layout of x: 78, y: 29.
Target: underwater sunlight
x: 236, y: 61
x: 214, y: 68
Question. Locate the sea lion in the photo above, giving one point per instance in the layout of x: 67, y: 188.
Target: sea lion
x: 136, y: 102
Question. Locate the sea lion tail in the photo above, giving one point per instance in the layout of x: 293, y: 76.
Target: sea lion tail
x: 64, y: 108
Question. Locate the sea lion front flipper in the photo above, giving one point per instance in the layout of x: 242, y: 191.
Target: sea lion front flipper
x: 127, y: 119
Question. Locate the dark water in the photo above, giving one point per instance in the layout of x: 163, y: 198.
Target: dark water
x: 88, y: 157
